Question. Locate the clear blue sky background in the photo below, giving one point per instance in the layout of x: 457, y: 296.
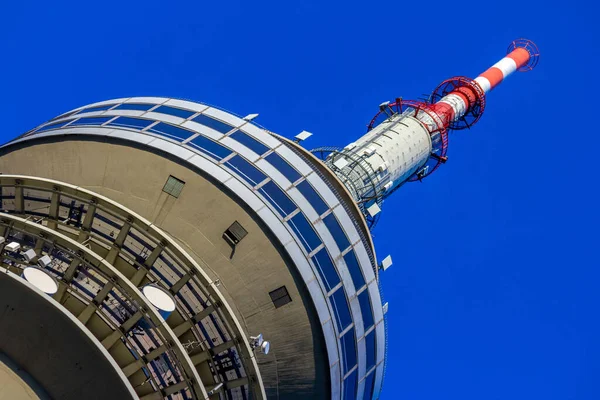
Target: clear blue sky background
x: 494, y: 291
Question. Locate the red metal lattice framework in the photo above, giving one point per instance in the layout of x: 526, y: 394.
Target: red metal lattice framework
x: 436, y: 128
x: 468, y: 89
x: 532, y: 49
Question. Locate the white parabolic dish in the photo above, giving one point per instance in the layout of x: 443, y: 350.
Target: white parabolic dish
x: 159, y: 298
x: 40, y: 280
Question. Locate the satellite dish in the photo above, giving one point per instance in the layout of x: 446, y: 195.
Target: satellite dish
x: 265, y: 347
x: 258, y: 340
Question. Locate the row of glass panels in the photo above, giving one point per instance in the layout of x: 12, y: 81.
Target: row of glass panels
x: 281, y: 203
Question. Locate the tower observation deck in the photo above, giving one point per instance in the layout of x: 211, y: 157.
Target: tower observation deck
x: 198, y: 255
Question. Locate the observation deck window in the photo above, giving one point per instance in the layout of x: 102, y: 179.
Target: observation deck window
x: 326, y: 269
x: 171, y: 131
x: 336, y: 231
x: 305, y: 232
x: 350, y: 386
x: 134, y: 106
x: 278, y: 199
x: 246, y: 170
x: 349, y: 350
x: 176, y: 112
x: 129, y: 122
x: 282, y: 166
x: 370, y: 346
x: 213, y: 123
x: 208, y: 147
x: 313, y: 197
x: 249, y: 142
x: 341, y: 309
x: 55, y: 125
x: 95, y: 109
x: 91, y: 121
x: 369, y: 382
x: 354, y: 269
x: 366, y: 309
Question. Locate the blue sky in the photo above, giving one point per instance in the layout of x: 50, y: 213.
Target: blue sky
x: 494, y: 290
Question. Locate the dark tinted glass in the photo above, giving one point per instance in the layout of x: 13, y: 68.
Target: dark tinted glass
x: 365, y: 309
x: 176, y: 112
x: 350, y: 386
x: 92, y: 121
x: 326, y: 269
x: 336, y: 230
x: 307, y: 235
x: 249, y: 142
x: 349, y: 350
x: 246, y: 170
x: 313, y: 197
x: 369, y: 382
x: 277, y: 198
x: 354, y: 269
x: 171, y: 131
x: 209, y: 147
x: 134, y: 106
x: 282, y: 166
x: 56, y: 125
x: 95, y: 109
x: 129, y: 122
x: 213, y: 123
x: 341, y: 309
x: 370, y: 346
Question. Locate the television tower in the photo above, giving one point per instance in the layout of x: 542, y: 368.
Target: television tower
x: 407, y: 140
x: 164, y: 248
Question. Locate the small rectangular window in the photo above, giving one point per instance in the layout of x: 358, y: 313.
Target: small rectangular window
x: 354, y: 269
x: 370, y: 347
x: 350, y: 386
x: 213, y: 123
x: 235, y: 233
x: 280, y: 297
x: 305, y: 231
x: 173, y: 186
x: 341, y: 310
x: 369, y: 382
x: 55, y: 125
x: 349, y: 350
x: 171, y: 131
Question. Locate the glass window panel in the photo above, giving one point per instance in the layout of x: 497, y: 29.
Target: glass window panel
x: 341, y: 309
x: 336, y: 231
x: 349, y: 350
x: 176, y: 112
x: 354, y: 269
x: 209, y: 147
x: 134, y: 106
x: 326, y: 269
x: 171, y: 131
x: 129, y: 122
x: 370, y: 346
x: 365, y: 309
x: 313, y: 197
x: 246, y: 170
x: 369, y: 382
x: 282, y: 166
x: 350, y: 386
x: 55, y: 125
x: 95, y: 109
x: 306, y: 233
x: 213, y: 123
x: 92, y: 121
x: 249, y: 142
x: 277, y: 198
